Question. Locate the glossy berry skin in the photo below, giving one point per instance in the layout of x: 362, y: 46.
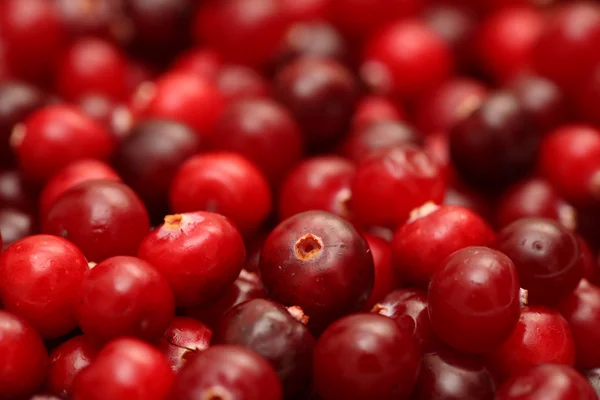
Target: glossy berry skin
x: 317, y: 183
x: 272, y: 332
x: 544, y: 382
x: 184, y: 338
x: 55, y: 136
x: 365, y: 342
x: 103, y: 218
x: 125, y: 369
x: 321, y: 95
x: 386, y: 279
x: 541, y: 336
x: 320, y: 263
x: 39, y: 276
x: 433, y: 233
x: 389, y: 184
x: 24, y: 357
x: 546, y: 255
x: 225, y: 183
x: 262, y: 131
x: 237, y: 82
x: 66, y: 361
x: 201, y: 254
x: 451, y: 375
x: 473, y: 299
x: 373, y: 108
x: 406, y: 59
x: 228, y: 372
x: 119, y: 281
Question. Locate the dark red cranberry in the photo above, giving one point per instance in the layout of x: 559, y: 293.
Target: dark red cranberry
x: 16, y: 224
x: 39, y: 278
x: 321, y: 94
x: 227, y: 372
x: 546, y: 381
x: 473, y: 299
x: 459, y: 195
x: 407, y: 59
x: 112, y: 115
x: 496, y: 144
x: 546, y: 256
x: 65, y: 363
x: 408, y: 307
x: 225, y: 183
x: 372, y: 108
x: 101, y: 18
x: 359, y: 343
x: 450, y: 375
x: 271, y: 331
x: 262, y: 131
x: 103, y: 218
x: 202, y: 62
x: 389, y: 184
x: 125, y: 369
x: 15, y: 192
x: 55, y: 136
x: 386, y: 279
x: 237, y: 82
x: 184, y: 338
x: 150, y: 155
x: 200, y: 253
x: 320, y: 263
x: 587, y: 98
x: 24, y: 357
x: 318, y: 183
x: 541, y: 336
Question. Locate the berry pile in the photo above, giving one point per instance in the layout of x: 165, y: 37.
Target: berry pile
x: 299, y: 200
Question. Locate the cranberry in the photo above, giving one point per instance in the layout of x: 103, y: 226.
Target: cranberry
x: 103, y: 218
x: 547, y: 381
x: 473, y: 299
x: 72, y: 175
x: 14, y: 191
x: 433, y: 233
x: 262, y: 131
x: 225, y: 183
x: 39, y: 277
x: 182, y: 339
x: 202, y: 62
x: 112, y: 115
x: 541, y: 336
x: 365, y: 342
x: 385, y: 276
x: 459, y: 195
x: 237, y: 82
x: 317, y: 183
x: 591, y: 270
x: 125, y: 369
x: 91, y: 17
x: 272, y: 332
x: 16, y: 224
x: 320, y: 263
x: 55, y: 136
x: 227, y: 372
x: 65, y: 363
x: 587, y: 97
x: 389, y: 184
x: 138, y: 73
x: 407, y: 59
x: 23, y: 357
x: 535, y: 198
x: 201, y: 254
x: 370, y: 109
x: 451, y: 375
x: 306, y: 10
x: 321, y: 94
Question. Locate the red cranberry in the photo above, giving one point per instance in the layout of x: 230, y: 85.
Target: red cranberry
x: 451, y: 375
x: 72, y: 175
x: 202, y: 62
x: 458, y: 195
x: 39, y: 277
x: 320, y: 263
x: 125, y: 369
x: 407, y: 59
x: 16, y: 224
x: 365, y: 342
x: 103, y: 218
x: 541, y: 336
x: 370, y: 109
x: 272, y: 332
x: 389, y: 184
x: 262, y: 131
x: 587, y: 98
x: 385, y: 276
x: 201, y: 254
x: 306, y: 10
x: 318, y: 183
x: 547, y: 381
x: 91, y: 17
x: 184, y: 338
x: 433, y: 233
x: 225, y: 183
x: 23, y: 357
x: 65, y: 363
x: 321, y: 94
x: 237, y: 82
x: 14, y: 191
x: 55, y: 136
x: 473, y: 299
x: 227, y: 372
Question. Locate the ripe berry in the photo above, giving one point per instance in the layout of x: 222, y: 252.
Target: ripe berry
x: 65, y: 362
x: 386, y: 279
x: 236, y: 82
x: 184, y: 338
x: 202, y: 62
x: 370, y: 109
